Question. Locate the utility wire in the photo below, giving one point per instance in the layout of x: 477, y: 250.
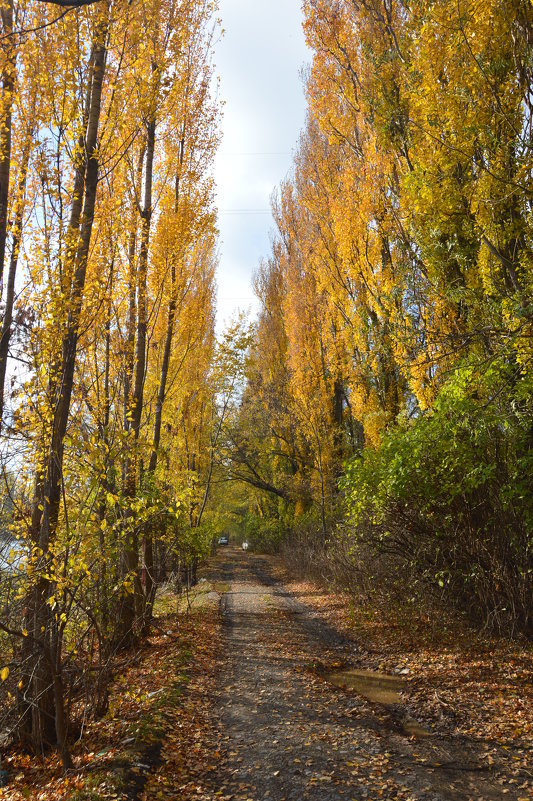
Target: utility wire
x: 244, y: 211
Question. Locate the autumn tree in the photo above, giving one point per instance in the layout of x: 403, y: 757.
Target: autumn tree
x: 114, y: 154
x: 402, y: 273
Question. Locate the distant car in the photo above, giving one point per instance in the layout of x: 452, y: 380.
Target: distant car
x: 245, y: 545
x: 223, y: 541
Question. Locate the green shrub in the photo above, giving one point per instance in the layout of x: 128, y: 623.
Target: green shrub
x: 450, y: 492
x: 264, y: 533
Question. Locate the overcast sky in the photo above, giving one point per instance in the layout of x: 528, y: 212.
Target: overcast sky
x: 259, y: 60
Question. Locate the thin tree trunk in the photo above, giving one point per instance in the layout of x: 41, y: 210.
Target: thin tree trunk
x: 142, y: 316
x: 8, y: 89
x: 132, y: 309
x: 124, y: 635
x: 171, y: 316
x: 103, y: 426
x: 322, y: 486
x: 132, y: 601
x: 149, y: 590
x: 18, y: 214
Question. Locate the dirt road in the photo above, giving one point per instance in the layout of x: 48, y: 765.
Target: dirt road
x: 287, y: 734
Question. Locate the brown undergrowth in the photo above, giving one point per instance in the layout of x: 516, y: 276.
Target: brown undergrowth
x: 156, y: 721
x: 459, y: 681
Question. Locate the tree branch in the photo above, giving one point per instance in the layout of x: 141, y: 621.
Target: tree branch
x: 69, y: 3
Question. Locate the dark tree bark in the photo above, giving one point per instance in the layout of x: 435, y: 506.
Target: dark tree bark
x: 18, y: 213
x: 146, y: 220
x: 150, y: 589
x: 107, y: 485
x: 8, y: 89
x: 131, y: 606
x: 45, y: 678
x: 69, y: 3
x: 129, y: 354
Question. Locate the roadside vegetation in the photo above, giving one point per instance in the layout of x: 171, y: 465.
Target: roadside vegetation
x: 157, y: 712
x: 113, y: 385
x: 386, y: 428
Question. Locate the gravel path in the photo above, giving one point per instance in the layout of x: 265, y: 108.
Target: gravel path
x: 285, y: 734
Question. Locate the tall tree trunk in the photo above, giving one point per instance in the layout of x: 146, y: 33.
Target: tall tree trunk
x: 149, y: 589
x: 124, y: 635
x: 129, y: 354
x: 46, y: 672
x: 103, y: 431
x: 161, y: 391
x: 142, y: 314
x: 131, y: 606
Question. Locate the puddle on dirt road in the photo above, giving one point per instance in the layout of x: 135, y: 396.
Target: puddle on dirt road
x: 380, y: 688
x: 377, y: 687
x: 415, y: 729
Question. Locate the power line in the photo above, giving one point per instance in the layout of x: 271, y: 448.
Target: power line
x: 258, y: 153
x: 244, y: 211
